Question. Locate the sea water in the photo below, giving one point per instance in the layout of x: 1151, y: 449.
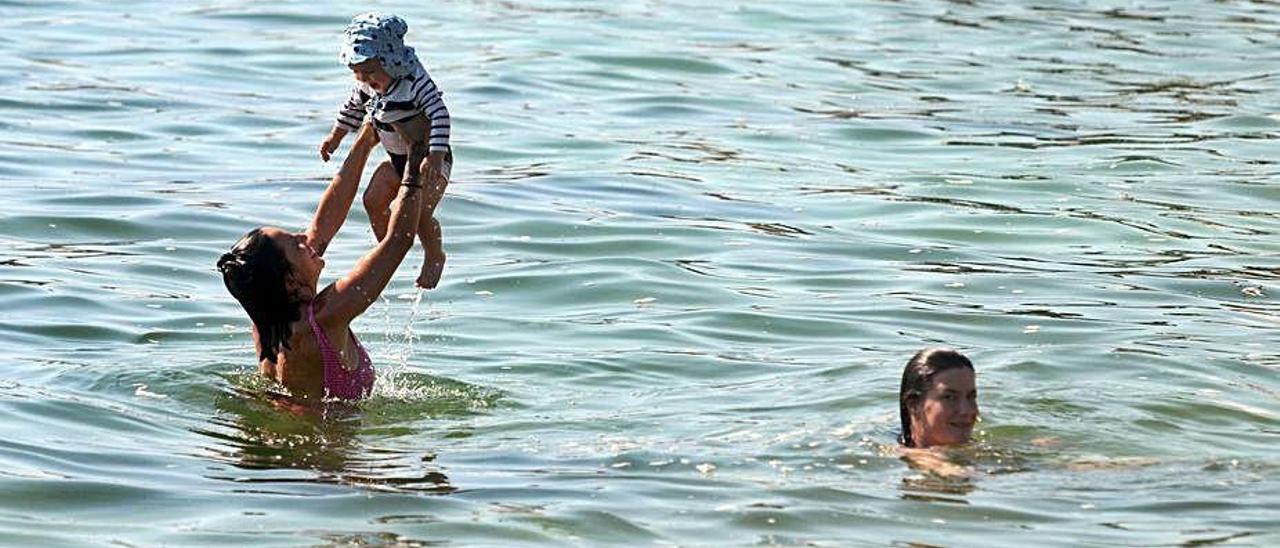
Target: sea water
x: 691, y: 246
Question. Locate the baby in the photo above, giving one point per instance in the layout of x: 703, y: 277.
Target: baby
x: 392, y: 86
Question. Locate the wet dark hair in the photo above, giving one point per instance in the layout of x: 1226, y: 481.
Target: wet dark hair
x: 918, y: 376
x: 255, y: 271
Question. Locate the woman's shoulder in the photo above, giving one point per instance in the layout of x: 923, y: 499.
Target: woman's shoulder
x: 323, y: 314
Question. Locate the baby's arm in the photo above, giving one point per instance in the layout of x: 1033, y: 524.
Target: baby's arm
x: 331, y: 142
x: 350, y: 116
x: 430, y: 102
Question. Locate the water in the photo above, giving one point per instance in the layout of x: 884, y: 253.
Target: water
x: 691, y: 246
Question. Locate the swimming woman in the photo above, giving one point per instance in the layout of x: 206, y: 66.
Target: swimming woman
x: 938, y: 400
x: 302, y: 333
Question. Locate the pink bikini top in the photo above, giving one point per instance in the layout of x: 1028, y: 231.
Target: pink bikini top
x: 340, y: 382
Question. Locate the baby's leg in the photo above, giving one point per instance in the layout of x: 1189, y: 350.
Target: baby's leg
x: 429, y: 230
x: 414, y: 131
x: 433, y: 248
x: 382, y: 189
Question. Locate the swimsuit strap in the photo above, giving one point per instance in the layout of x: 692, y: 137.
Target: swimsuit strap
x: 340, y: 382
x: 322, y: 341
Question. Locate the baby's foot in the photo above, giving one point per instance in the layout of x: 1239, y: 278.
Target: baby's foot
x: 432, y: 268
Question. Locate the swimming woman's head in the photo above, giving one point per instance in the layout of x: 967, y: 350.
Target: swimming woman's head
x: 938, y: 400
x: 271, y: 271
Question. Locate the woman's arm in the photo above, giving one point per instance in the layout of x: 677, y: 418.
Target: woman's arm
x: 336, y: 201
x: 352, y: 294
x: 414, y: 130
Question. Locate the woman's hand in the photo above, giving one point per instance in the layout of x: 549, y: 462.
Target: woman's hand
x: 433, y: 167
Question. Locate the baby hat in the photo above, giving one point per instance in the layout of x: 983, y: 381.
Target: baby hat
x: 377, y: 36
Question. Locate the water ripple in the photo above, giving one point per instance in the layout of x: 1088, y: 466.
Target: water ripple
x: 690, y: 248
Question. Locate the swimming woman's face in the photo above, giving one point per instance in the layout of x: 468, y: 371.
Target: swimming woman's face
x: 305, y: 262
x: 946, y: 414
x: 371, y: 73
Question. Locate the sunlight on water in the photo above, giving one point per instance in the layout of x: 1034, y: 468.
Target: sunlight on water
x: 690, y: 247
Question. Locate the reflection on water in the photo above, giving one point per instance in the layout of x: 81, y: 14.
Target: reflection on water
x: 948, y: 474
x: 937, y: 488
x: 691, y: 245
x: 260, y: 429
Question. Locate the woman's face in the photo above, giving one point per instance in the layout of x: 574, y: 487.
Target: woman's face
x: 946, y: 414
x: 304, y: 260
x: 371, y: 73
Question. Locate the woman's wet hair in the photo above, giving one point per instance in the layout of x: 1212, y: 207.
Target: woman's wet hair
x: 255, y: 272
x: 917, y: 378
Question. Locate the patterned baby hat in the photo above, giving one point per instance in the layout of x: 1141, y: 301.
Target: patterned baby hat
x: 377, y: 36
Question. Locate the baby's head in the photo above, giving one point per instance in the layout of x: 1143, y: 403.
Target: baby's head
x: 373, y: 48
x: 371, y: 73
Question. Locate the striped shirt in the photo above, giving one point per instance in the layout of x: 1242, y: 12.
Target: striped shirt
x: 405, y: 97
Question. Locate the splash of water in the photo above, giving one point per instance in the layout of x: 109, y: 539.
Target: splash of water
x: 399, y: 384
x: 400, y: 342
x: 399, y: 337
